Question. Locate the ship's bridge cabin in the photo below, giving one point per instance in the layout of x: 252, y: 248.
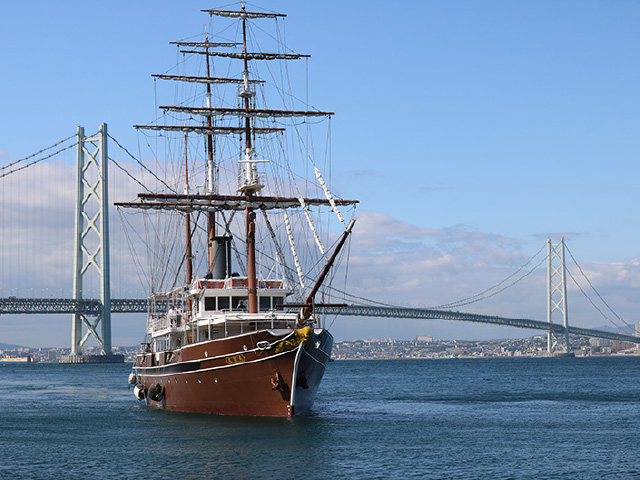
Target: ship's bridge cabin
x: 230, y: 295
x: 212, y: 309
x: 216, y: 306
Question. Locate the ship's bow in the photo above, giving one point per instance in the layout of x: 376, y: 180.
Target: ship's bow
x: 311, y: 360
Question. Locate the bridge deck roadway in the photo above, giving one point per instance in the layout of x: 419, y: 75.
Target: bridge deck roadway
x: 32, y: 306
x: 425, y: 313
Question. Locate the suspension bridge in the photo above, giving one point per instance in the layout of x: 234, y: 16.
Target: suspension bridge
x: 91, y: 317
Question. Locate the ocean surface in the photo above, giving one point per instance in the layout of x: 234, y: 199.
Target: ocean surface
x: 564, y: 418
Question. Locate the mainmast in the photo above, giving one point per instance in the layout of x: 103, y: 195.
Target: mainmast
x: 251, y: 185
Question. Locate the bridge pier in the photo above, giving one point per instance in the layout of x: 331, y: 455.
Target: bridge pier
x: 117, y: 358
x: 91, y: 243
x: 557, y: 294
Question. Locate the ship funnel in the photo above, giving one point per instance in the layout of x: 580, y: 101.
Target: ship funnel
x: 221, y: 247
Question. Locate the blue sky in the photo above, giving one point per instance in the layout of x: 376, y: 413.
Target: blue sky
x: 470, y: 129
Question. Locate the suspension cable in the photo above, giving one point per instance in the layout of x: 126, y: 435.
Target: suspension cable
x: 459, y: 304
x: 35, y: 161
x: 596, y: 292
x: 36, y: 154
x: 129, y: 175
x: 465, y: 301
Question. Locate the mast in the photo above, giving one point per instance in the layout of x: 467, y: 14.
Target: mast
x: 211, y: 218
x: 187, y: 220
x: 252, y: 283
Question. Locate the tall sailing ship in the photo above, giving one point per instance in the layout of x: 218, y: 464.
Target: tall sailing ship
x: 248, y: 343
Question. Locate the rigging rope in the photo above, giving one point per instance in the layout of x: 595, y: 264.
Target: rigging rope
x: 134, y: 254
x: 279, y: 252
x: 129, y: 175
x: 142, y: 165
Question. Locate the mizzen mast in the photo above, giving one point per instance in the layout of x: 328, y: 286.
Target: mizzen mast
x: 187, y: 217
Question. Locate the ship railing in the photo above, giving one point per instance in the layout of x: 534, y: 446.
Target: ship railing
x: 170, y: 321
x: 167, y: 310
x: 245, y: 322
x: 256, y: 181
x: 239, y: 283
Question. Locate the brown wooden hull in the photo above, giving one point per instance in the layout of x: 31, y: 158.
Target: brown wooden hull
x: 258, y: 373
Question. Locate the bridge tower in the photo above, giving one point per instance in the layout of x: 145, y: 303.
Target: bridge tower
x: 557, y: 293
x: 91, y: 245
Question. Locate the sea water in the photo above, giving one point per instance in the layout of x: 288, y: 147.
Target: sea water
x: 547, y: 418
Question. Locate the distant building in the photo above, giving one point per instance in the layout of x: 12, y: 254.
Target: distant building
x: 618, y: 346
x: 599, y: 342
x: 424, y: 338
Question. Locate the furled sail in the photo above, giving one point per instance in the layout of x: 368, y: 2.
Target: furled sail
x: 244, y: 112
x: 208, y: 203
x: 205, y: 44
x: 209, y: 80
x: 208, y: 131
x: 250, y: 55
x: 237, y: 14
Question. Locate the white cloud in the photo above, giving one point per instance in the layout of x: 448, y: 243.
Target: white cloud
x: 402, y: 264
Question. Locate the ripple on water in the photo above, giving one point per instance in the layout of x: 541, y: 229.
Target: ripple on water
x: 393, y: 419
